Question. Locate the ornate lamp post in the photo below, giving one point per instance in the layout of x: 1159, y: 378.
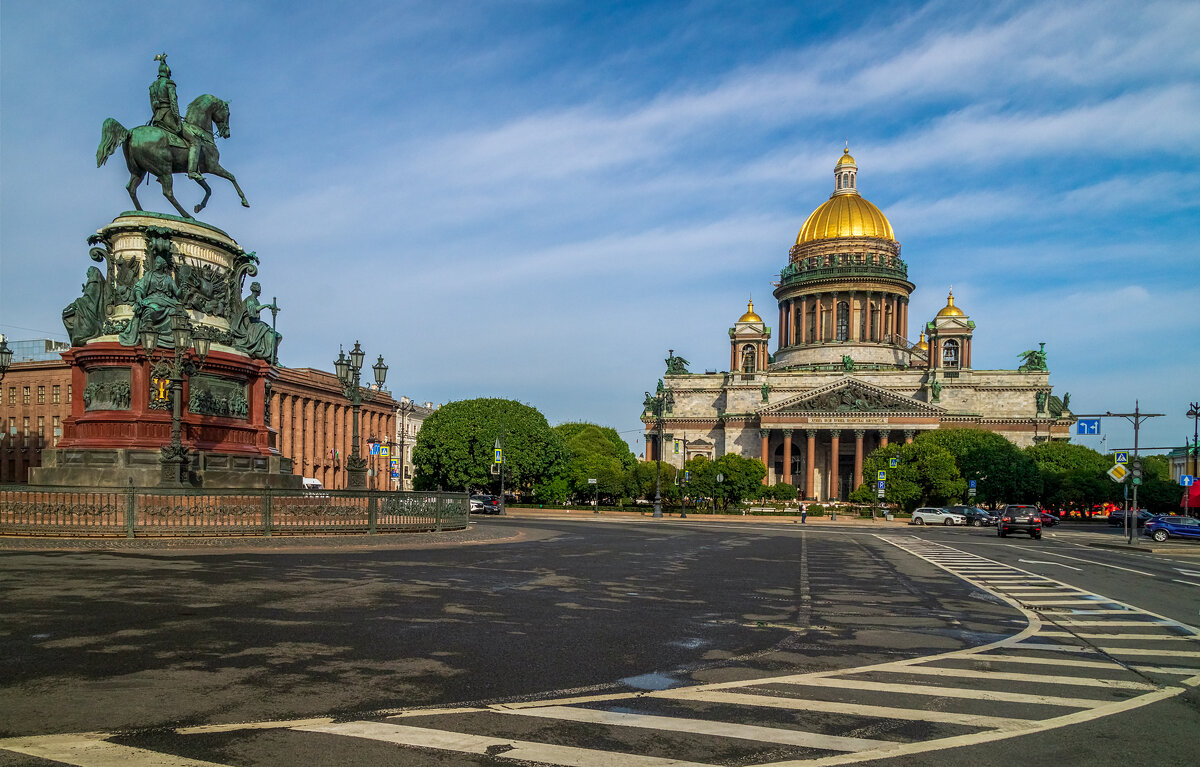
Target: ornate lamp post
x: 173, y: 460
x: 657, y: 404
x: 5, y: 357
x: 1193, y: 413
x: 348, y: 371
x: 373, y: 441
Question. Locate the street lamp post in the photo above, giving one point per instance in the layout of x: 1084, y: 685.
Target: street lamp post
x: 173, y: 460
x: 349, y: 370
x: 658, y: 403
x: 373, y: 441
x: 5, y: 357
x: 1193, y: 413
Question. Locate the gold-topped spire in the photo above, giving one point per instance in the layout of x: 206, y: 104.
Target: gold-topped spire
x: 950, y: 310
x: 750, y: 316
x: 845, y: 159
x: 923, y: 345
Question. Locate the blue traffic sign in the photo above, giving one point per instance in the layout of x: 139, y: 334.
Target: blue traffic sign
x: 1087, y: 426
x: 1187, y: 480
x: 1121, y: 457
x: 971, y: 483
x: 893, y: 463
x: 882, y: 484
x: 882, y: 475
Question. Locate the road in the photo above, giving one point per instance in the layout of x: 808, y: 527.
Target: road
x: 607, y: 642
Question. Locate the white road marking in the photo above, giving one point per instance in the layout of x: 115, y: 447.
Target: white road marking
x: 701, y: 727
x: 1040, y: 562
x: 958, y: 692
x: 836, y: 707
x: 1188, y: 572
x: 1101, y: 564
x: 285, y: 724
x: 89, y: 750
x: 1078, y: 681
x: 444, y: 740
x: 1190, y: 583
x: 1146, y: 637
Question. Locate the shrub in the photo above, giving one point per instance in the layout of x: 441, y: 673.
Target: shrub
x: 816, y: 510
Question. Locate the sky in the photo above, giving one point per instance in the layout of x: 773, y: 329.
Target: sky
x: 536, y: 200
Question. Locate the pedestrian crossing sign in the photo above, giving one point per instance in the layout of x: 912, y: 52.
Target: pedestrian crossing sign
x: 882, y: 475
x: 1121, y: 457
x: 383, y: 451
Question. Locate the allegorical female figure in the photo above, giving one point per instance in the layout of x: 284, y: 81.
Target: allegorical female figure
x: 254, y: 337
x: 84, y: 318
x: 155, y: 299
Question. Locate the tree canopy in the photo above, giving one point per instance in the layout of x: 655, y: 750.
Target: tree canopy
x: 1003, y: 472
x: 599, y: 453
x: 454, y: 446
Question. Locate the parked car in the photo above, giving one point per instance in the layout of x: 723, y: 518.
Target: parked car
x: 976, y: 517
x: 1171, y: 526
x: 1049, y: 520
x: 930, y: 515
x: 1117, y: 518
x: 485, y: 504
x: 1020, y: 518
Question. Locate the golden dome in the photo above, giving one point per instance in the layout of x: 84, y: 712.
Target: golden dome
x: 846, y: 159
x: 923, y: 345
x: 845, y: 215
x: 750, y: 316
x: 950, y: 310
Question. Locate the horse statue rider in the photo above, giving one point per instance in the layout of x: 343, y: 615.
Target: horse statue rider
x: 165, y: 108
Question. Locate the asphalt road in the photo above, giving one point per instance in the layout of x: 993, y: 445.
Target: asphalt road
x: 606, y: 642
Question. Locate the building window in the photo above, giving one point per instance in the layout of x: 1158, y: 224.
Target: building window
x: 25, y: 426
x: 56, y: 432
x: 950, y: 354
x: 24, y: 395
x: 41, y: 395
x: 839, y: 182
x: 12, y: 396
x: 843, y: 321
x: 68, y: 392
x: 56, y: 394
x: 748, y: 363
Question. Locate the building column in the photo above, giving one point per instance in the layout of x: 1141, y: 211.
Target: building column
x: 787, y: 456
x: 904, y: 318
x: 883, y: 438
x: 782, y: 319
x: 858, y: 456
x: 834, y: 454
x: 819, y: 334
x: 766, y: 439
x: 854, y: 311
x: 908, y: 436
x: 791, y: 325
x: 811, y: 465
x: 804, y: 320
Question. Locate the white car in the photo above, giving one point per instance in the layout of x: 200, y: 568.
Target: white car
x: 931, y: 515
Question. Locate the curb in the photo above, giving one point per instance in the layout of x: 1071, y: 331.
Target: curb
x: 1178, y: 549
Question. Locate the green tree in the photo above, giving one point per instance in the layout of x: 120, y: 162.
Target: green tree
x: 741, y: 478
x: 1005, y: 474
x: 454, y: 446
x: 643, y: 479
x: 599, y: 453
x: 1073, y: 476
x: 782, y: 491
x: 926, y: 474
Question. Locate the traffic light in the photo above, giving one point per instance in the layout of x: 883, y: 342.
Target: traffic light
x: 1137, y: 472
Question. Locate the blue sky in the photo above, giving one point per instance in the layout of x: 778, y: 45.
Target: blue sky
x: 536, y: 200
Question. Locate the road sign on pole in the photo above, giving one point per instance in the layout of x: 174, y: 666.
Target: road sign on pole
x: 893, y: 463
x: 1187, y: 480
x: 882, y: 475
x: 1087, y: 426
x: 971, y: 483
x: 1118, y: 472
x: 882, y: 484
x: 1121, y: 456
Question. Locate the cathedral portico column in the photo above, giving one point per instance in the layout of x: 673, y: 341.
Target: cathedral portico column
x: 811, y: 465
x: 908, y: 436
x: 787, y: 456
x: 766, y: 439
x: 858, y: 456
x: 834, y: 451
x: 804, y: 320
x: 883, y: 438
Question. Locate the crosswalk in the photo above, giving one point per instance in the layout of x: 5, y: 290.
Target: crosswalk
x: 1079, y: 657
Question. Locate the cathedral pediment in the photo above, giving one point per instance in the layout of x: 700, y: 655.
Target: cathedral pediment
x: 849, y: 395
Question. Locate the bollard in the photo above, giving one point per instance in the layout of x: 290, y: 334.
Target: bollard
x: 372, y: 513
x: 266, y: 512
x: 130, y: 513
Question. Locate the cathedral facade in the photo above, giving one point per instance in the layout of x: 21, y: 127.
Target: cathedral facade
x: 845, y: 377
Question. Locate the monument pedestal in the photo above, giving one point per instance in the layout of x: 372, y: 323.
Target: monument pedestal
x: 121, y: 413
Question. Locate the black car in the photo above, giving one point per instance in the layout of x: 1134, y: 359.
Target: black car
x: 976, y: 517
x: 485, y: 504
x: 1117, y: 518
x: 1020, y: 518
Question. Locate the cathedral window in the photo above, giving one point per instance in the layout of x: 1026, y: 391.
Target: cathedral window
x: 748, y: 358
x: 950, y: 354
x: 843, y: 321
x: 839, y: 182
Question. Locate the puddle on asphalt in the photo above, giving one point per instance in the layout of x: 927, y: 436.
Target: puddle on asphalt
x: 691, y: 643
x: 652, y: 681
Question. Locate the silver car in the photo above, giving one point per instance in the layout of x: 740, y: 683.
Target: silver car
x: 930, y: 515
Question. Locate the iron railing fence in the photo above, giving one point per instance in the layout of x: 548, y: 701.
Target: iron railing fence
x: 149, y: 512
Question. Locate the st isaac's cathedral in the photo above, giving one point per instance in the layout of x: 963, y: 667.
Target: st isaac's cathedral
x: 846, y: 376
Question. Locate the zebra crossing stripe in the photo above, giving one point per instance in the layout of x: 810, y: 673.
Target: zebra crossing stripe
x: 835, y: 707
x: 1145, y: 637
x: 90, y: 750
x: 500, y: 748
x: 1078, y: 681
x: 701, y: 727
x: 960, y: 692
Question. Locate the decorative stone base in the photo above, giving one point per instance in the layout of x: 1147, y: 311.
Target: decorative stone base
x: 141, y: 468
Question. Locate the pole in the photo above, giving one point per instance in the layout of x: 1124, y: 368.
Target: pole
x: 275, y: 349
x: 1132, y: 518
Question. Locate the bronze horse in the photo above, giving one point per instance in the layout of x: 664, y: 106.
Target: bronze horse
x: 150, y: 149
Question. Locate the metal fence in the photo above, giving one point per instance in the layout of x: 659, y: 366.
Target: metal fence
x: 149, y: 512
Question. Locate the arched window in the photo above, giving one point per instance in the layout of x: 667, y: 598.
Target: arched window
x: 839, y: 182
x: 843, y: 321
x: 748, y: 358
x: 950, y: 354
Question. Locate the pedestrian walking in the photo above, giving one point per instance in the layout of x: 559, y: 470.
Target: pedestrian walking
x: 803, y: 513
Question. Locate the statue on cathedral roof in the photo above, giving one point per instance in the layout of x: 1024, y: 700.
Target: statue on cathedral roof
x: 676, y: 366
x: 1034, y: 359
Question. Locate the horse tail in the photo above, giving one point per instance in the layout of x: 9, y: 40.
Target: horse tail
x: 112, y: 135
